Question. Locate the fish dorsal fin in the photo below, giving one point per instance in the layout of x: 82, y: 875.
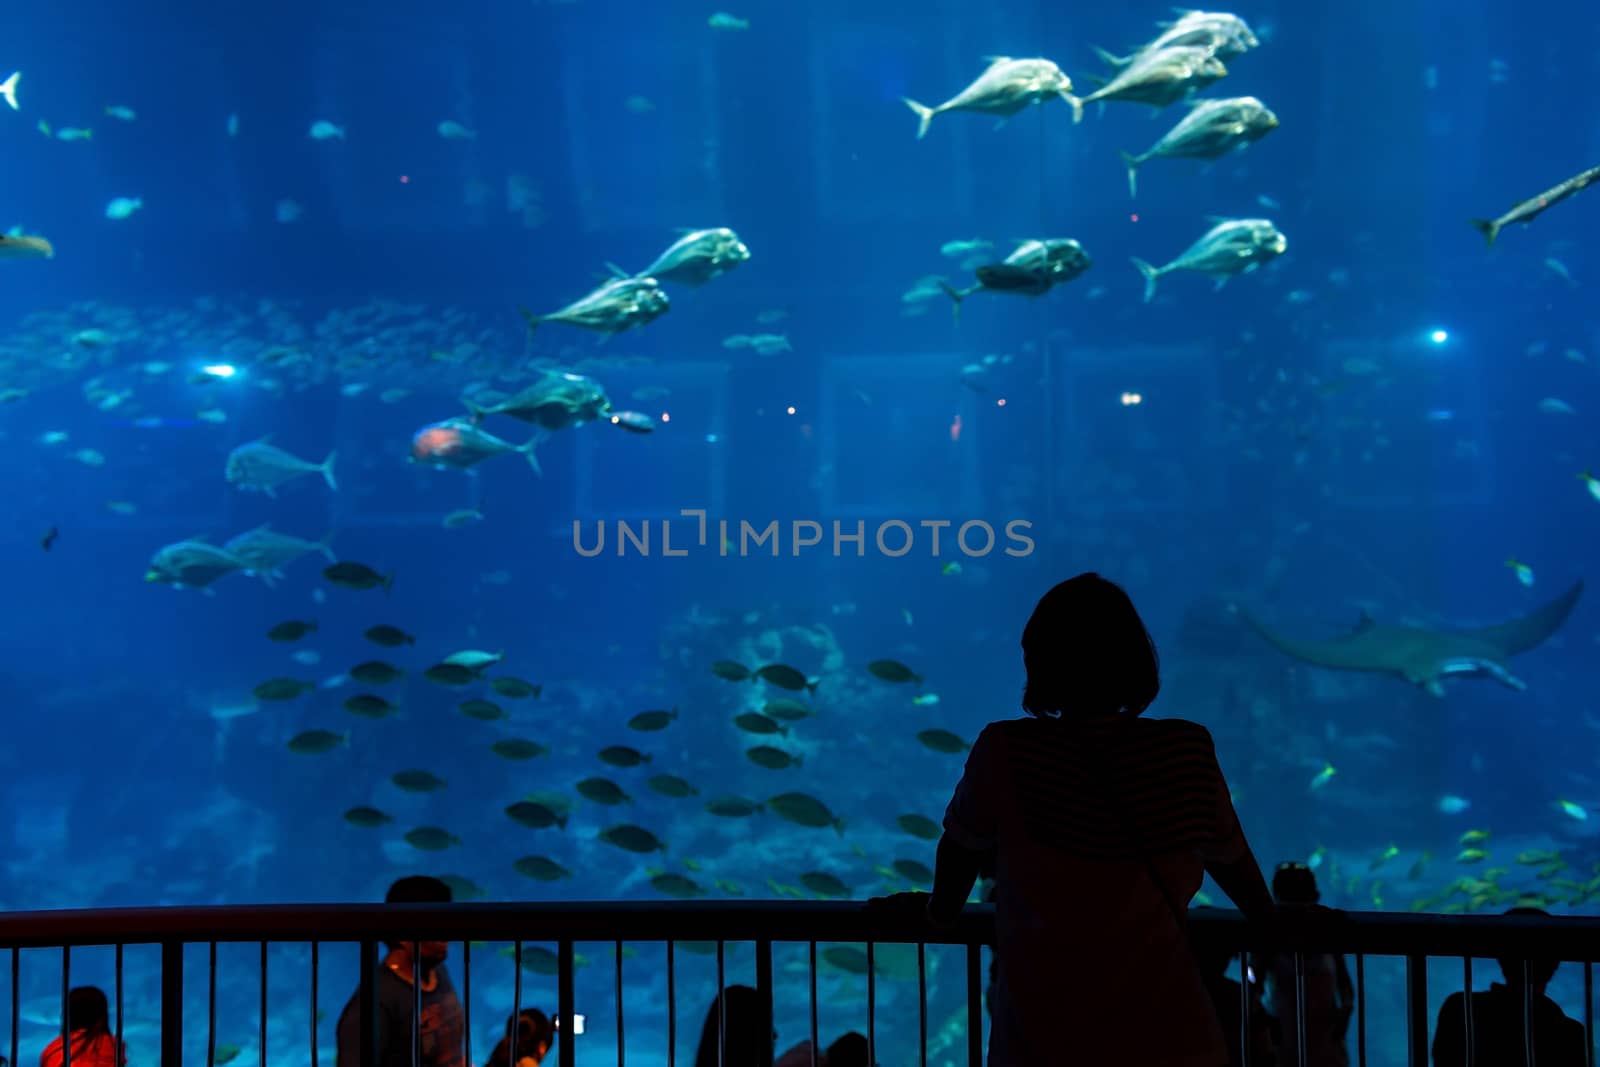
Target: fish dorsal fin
x: 617, y: 271
x: 994, y: 61
x: 1217, y: 220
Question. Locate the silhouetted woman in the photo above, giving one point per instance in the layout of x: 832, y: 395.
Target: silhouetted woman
x: 529, y: 1036
x: 1103, y: 825
x: 89, y: 1025
x: 749, y: 1038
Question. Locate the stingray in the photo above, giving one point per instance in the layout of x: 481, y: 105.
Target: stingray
x: 1427, y: 657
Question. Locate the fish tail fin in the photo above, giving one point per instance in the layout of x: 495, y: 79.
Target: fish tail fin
x: 1150, y: 275
x: 924, y: 116
x: 327, y: 470
x: 325, y: 546
x: 8, y: 89
x: 955, y: 295
x: 1488, y: 228
x: 1076, y: 103
x: 617, y: 271
x: 1132, y: 162
x: 1107, y: 58
x: 388, y: 583
x: 530, y: 453
x: 533, y: 320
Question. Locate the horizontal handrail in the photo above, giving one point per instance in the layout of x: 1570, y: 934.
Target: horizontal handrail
x: 1375, y: 933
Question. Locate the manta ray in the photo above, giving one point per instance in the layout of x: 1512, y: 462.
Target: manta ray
x: 1427, y: 657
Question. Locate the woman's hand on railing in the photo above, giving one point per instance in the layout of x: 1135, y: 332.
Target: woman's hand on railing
x: 907, y: 906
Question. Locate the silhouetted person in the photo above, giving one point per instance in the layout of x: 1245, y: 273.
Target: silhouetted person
x: 1499, y: 1037
x: 1329, y: 993
x: 441, y: 1024
x: 1103, y: 826
x: 89, y: 1027
x: 529, y: 1037
x: 1214, y: 957
x: 850, y: 1050
x: 748, y: 1039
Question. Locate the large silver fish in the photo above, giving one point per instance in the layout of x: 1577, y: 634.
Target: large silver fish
x: 21, y: 246
x: 559, y: 399
x: 695, y: 258
x: 1232, y: 246
x: 1212, y: 129
x: 1160, y: 78
x: 1033, y: 269
x: 265, y: 551
x: 1005, y: 88
x: 191, y: 564
x: 262, y: 466
x: 617, y: 305
x: 1224, y: 34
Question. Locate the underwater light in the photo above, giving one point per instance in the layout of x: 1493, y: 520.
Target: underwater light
x: 1131, y: 399
x: 1439, y: 337
x: 791, y: 409
x: 666, y: 416
x: 219, y: 370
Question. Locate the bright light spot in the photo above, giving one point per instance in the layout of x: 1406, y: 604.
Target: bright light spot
x: 405, y: 179
x: 791, y: 409
x: 665, y: 417
x: 219, y: 370
x: 1000, y: 403
x: 1134, y: 217
x: 712, y: 438
x: 1130, y: 399
x: 1439, y: 337
x: 616, y: 420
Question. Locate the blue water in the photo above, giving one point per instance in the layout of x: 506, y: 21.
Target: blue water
x: 1356, y: 426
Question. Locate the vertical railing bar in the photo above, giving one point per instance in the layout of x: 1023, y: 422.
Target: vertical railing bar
x: 764, y: 1049
x: 1466, y: 1008
x: 974, y: 1004
x: 619, y: 1005
x: 1361, y: 1010
x: 16, y: 995
x: 516, y: 1004
x: 814, y: 1004
x: 569, y: 1047
x: 66, y: 999
x: 672, y: 1011
x: 172, y: 1004
x: 416, y: 1004
x: 118, y: 1053
x: 1302, y: 1054
x: 211, y: 1007
x: 367, y: 991
x: 872, y: 1005
x: 314, y: 961
x: 922, y: 1004
x: 263, y: 1004
x: 1244, y: 1007
x: 1417, y: 1010
x: 466, y: 999
x: 722, y: 1010
x: 1588, y: 1014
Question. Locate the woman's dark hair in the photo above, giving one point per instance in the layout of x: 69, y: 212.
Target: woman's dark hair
x: 1295, y: 883
x: 1086, y: 650
x: 749, y: 1028
x: 532, y: 1029
x: 849, y: 1051
x: 1539, y: 971
x: 87, y: 1010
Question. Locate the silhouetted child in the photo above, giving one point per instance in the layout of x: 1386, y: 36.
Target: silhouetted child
x: 441, y: 1025
x: 529, y: 1037
x: 1499, y: 1037
x: 89, y: 1027
x: 1102, y: 826
x: 1214, y: 957
x: 1329, y: 993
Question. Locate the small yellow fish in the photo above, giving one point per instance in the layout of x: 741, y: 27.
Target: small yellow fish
x: 1523, y: 572
x: 1571, y: 810
x: 925, y: 700
x: 1323, y: 777
x: 1315, y: 860
x: 1474, y: 837
x: 1537, y: 855
x: 1384, y: 857
x: 1591, y: 483
x: 1471, y: 855
x: 953, y: 567
x: 1377, y: 896
x: 1418, y: 867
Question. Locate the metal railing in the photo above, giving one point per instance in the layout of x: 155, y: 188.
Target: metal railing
x: 1413, y: 938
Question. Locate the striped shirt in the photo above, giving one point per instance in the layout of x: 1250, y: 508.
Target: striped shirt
x: 1101, y: 827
